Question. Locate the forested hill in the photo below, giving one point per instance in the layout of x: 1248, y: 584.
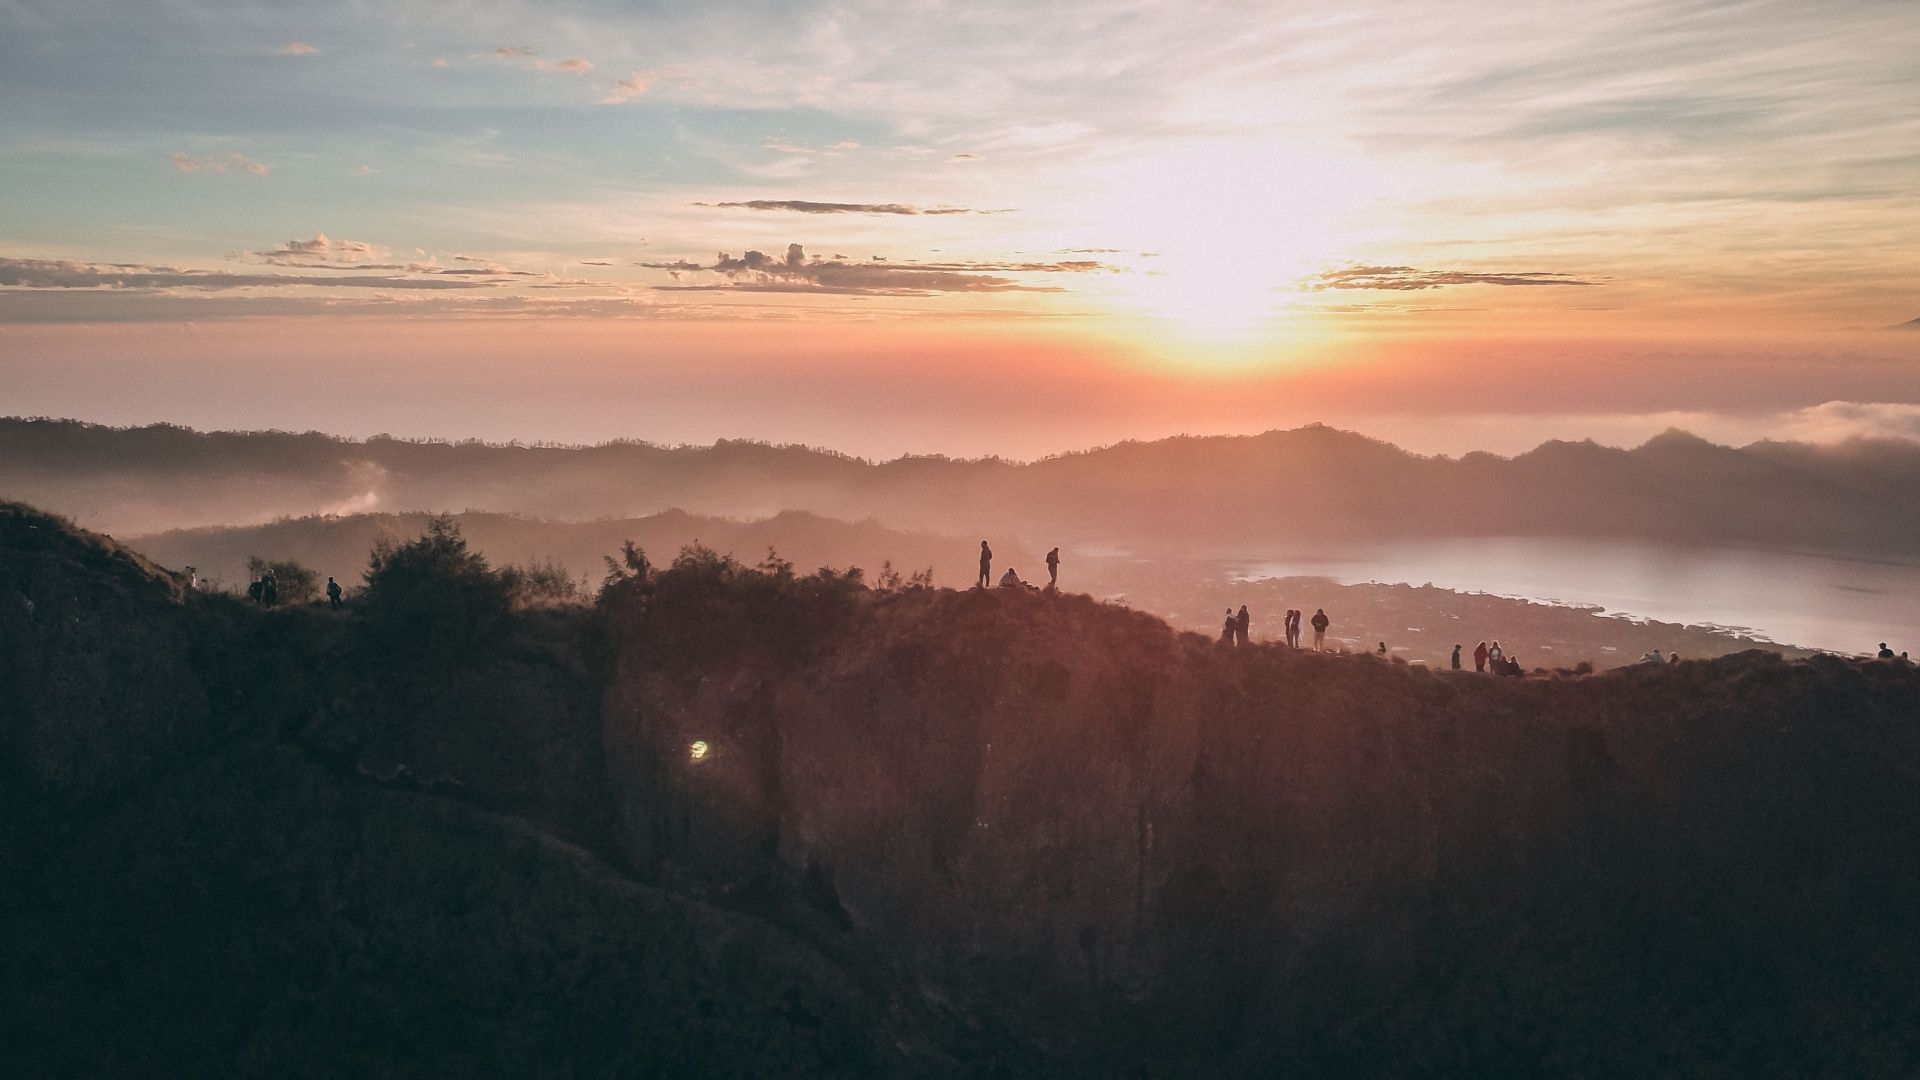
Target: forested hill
x: 339, y: 545
x: 739, y: 821
x: 1184, y: 494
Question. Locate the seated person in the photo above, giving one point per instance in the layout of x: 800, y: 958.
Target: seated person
x: 1010, y: 580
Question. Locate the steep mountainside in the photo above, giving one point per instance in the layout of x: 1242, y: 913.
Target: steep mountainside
x: 744, y: 822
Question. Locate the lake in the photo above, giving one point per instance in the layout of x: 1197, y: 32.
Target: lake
x: 1817, y: 601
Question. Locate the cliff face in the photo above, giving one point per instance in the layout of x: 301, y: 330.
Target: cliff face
x: 1135, y: 847
x: 733, y: 822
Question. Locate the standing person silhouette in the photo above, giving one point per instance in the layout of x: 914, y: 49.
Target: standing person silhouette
x: 1053, y: 568
x: 1240, y: 623
x: 986, y: 565
x: 1320, y: 624
x: 1456, y: 658
x: 333, y: 593
x: 1293, y: 626
x: 1480, y: 657
x: 1229, y: 630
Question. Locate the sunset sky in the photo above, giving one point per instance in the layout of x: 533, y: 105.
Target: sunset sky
x: 964, y: 227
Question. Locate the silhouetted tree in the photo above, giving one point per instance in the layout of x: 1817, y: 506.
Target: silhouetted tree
x: 537, y: 583
x: 434, y: 595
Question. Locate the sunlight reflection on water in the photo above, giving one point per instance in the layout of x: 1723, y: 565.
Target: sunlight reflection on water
x: 1848, y: 605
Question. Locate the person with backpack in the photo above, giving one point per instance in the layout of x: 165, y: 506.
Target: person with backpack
x: 1320, y: 624
x: 1053, y: 569
x: 333, y: 593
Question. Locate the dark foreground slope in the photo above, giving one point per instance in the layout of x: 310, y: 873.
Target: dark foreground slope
x: 932, y: 833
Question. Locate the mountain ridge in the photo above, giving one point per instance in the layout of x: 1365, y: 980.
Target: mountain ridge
x: 1185, y: 494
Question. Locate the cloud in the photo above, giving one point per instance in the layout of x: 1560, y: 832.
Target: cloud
x: 365, y: 170
x: 804, y: 206
x: 627, y: 89
x: 794, y: 272
x: 784, y: 146
x: 322, y: 249
x: 296, y: 48
x: 440, y: 62
x: 964, y: 157
x: 232, y: 162
x: 1407, y: 278
x: 529, y: 60
x: 1837, y: 421
x: 65, y: 274
x: 104, y: 306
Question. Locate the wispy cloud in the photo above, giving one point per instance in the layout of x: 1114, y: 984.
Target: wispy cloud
x: 530, y: 60
x: 1409, y: 279
x: 627, y: 89
x: 224, y: 163
x: 65, y: 274
x: 296, y: 48
x: 795, y: 272
x: 323, y: 249
x: 1837, y: 421
x: 804, y: 206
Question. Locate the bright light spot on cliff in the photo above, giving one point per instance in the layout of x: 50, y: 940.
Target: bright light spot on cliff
x: 697, y: 750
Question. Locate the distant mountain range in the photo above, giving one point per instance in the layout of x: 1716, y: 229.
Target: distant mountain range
x: 1306, y: 486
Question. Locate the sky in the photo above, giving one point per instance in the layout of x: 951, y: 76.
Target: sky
x: 967, y: 228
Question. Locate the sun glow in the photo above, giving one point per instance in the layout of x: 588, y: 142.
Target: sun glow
x: 1225, y: 232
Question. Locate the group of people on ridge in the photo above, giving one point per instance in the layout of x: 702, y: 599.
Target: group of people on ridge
x: 1490, y: 657
x: 1011, y: 579
x: 265, y: 590
x: 1234, y: 630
